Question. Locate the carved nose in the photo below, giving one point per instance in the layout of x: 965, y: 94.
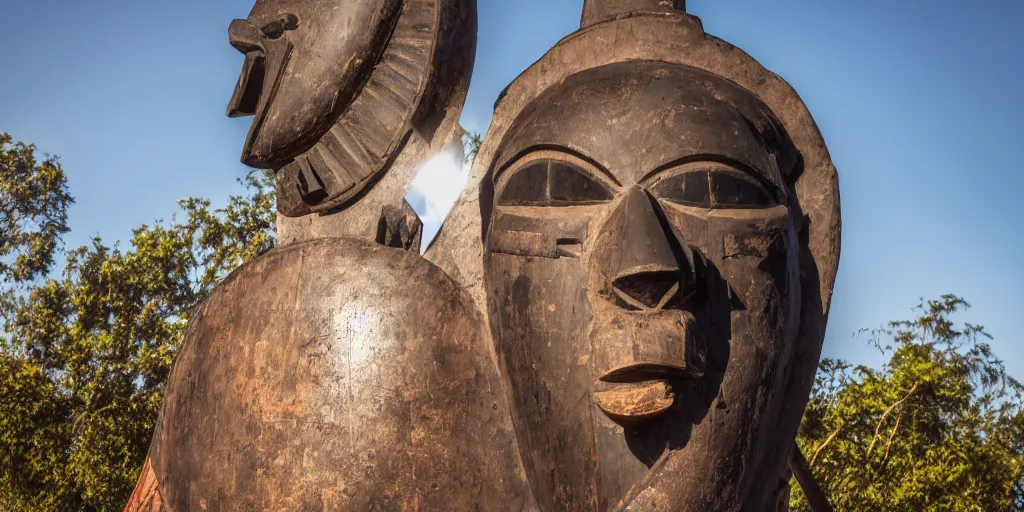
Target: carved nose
x: 647, y: 289
x: 649, y: 273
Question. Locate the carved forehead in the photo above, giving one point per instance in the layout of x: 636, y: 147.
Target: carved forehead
x: 270, y: 8
x: 322, y: 17
x: 634, y: 117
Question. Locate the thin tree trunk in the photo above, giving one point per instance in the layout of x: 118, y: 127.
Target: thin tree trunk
x: 815, y: 497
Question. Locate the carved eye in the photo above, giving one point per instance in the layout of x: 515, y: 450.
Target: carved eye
x: 713, y: 188
x: 276, y: 28
x: 688, y: 188
x: 550, y: 182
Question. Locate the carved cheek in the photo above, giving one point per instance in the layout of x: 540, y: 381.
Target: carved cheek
x: 539, y: 314
x: 538, y: 233
x: 689, y: 223
x: 753, y: 241
x: 751, y: 250
x: 533, y: 269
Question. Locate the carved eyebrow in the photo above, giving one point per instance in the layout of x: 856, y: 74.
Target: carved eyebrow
x: 770, y: 181
x: 555, y: 152
x: 547, y: 181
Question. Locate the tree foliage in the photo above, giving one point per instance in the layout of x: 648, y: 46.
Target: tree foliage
x: 34, y: 204
x: 939, y: 427
x: 471, y: 142
x: 85, y: 354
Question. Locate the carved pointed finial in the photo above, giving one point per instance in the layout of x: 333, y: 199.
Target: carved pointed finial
x: 595, y: 11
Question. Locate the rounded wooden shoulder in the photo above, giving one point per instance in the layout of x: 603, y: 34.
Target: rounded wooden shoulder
x: 333, y: 375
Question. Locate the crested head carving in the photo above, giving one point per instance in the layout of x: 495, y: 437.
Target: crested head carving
x: 337, y: 88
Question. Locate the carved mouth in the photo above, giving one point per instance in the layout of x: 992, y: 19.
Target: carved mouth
x: 634, y: 394
x: 249, y: 88
x: 265, y: 61
x: 639, y: 356
x: 641, y: 372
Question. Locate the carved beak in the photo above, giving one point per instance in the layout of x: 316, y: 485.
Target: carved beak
x: 250, y: 85
x: 246, y: 39
x: 265, y: 61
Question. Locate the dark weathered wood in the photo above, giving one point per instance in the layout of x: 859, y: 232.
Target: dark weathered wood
x: 337, y: 375
x: 702, y: 277
x: 624, y: 312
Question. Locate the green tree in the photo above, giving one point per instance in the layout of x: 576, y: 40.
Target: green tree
x: 471, y: 142
x: 939, y: 427
x: 34, y: 203
x: 85, y: 354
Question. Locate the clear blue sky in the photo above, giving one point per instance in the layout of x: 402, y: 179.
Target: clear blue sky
x: 920, y: 102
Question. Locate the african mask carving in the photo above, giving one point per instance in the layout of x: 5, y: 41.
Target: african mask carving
x: 291, y: 110
x: 660, y: 223
x: 641, y: 238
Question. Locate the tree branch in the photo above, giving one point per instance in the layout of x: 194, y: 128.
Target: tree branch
x: 823, y: 445
x: 888, y: 444
x: 886, y: 414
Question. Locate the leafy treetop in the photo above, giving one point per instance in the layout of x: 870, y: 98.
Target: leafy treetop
x: 84, y: 355
x: 939, y: 427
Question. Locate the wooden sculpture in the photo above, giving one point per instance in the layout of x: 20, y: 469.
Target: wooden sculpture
x: 624, y: 311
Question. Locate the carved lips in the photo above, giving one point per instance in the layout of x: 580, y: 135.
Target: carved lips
x: 632, y: 404
x: 638, y: 355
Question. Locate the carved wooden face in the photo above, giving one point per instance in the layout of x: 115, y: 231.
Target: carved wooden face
x: 304, y: 64
x: 642, y: 276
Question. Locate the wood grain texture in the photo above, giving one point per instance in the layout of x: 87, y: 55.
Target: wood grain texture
x: 342, y: 376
